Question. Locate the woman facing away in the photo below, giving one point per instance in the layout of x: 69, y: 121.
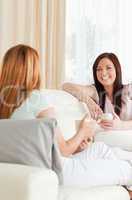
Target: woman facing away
x: 107, y: 94
x: 21, y: 98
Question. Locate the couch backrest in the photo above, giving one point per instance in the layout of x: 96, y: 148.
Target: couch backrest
x: 68, y: 109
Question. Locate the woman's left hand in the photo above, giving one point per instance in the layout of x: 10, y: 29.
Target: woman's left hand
x: 111, y: 124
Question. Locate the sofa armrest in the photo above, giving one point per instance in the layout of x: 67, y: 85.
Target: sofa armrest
x: 18, y: 182
x: 118, y: 138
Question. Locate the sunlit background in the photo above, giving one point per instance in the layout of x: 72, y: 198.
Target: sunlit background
x: 94, y: 27
x: 69, y: 35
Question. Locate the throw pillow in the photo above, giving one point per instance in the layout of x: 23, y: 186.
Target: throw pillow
x: 30, y: 142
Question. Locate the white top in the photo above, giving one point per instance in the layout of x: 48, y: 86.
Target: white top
x: 32, y: 106
x: 126, y: 111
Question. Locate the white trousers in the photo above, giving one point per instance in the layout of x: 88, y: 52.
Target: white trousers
x: 98, y: 165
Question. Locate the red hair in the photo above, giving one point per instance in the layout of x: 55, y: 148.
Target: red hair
x: 20, y: 74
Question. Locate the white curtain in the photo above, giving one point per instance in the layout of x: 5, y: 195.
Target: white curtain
x: 41, y: 24
x: 19, y: 23
x: 94, y: 27
x: 52, y: 41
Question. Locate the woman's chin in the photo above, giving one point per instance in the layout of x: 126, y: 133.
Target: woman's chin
x: 107, y: 83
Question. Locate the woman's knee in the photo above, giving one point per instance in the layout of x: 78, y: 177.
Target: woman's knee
x: 104, y: 151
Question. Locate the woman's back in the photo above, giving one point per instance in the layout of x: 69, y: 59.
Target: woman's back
x: 32, y: 106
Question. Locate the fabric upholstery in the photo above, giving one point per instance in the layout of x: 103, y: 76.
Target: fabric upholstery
x: 30, y: 142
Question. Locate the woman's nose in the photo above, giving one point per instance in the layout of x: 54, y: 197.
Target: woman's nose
x: 104, y: 72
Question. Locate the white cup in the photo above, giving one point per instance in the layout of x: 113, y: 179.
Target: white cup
x: 106, y: 116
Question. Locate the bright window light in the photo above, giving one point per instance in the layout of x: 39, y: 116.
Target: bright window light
x: 94, y: 27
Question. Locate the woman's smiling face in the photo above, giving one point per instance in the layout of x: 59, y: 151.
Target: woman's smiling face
x: 106, y: 73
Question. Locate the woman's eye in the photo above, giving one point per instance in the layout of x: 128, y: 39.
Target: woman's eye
x: 99, y: 70
x: 109, y: 67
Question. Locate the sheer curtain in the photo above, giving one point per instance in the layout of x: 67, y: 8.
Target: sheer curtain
x: 52, y: 41
x: 94, y: 27
x: 19, y: 23
x: 41, y: 24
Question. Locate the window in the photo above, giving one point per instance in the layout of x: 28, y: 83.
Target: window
x: 94, y: 27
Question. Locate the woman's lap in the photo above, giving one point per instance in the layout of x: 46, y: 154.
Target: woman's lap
x: 96, y: 166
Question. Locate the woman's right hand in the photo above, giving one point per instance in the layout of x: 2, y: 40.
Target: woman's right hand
x: 87, y: 127
x: 94, y: 109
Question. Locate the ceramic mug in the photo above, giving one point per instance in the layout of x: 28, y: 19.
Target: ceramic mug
x: 106, y: 117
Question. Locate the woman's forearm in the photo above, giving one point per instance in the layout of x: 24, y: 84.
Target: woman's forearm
x: 125, y: 125
x: 81, y: 92
x: 70, y: 146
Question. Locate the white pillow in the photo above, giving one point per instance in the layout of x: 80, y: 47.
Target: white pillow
x: 118, y: 138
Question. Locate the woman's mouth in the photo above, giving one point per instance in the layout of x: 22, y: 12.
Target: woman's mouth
x: 104, y: 78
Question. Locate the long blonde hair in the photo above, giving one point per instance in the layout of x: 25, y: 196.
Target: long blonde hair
x: 20, y: 75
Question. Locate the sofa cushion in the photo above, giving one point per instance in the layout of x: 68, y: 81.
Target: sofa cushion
x: 19, y: 182
x: 29, y: 142
x: 94, y: 193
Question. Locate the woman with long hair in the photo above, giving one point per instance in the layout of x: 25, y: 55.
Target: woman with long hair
x: 20, y: 84
x: 21, y: 97
x: 107, y: 94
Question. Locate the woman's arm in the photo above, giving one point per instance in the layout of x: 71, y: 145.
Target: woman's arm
x: 116, y: 123
x: 82, y: 92
x: 124, y: 125
x: 86, y: 94
x: 49, y: 112
x: 71, y: 146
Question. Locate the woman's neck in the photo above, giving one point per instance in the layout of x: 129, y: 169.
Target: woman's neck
x: 109, y: 91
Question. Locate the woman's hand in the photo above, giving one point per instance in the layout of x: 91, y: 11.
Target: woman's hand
x: 87, y: 127
x: 94, y: 109
x: 49, y: 112
x: 111, y: 124
x: 83, y: 145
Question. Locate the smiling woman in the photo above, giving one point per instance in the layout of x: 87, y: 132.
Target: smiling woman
x: 108, y: 80
x: 93, y: 27
x: 106, y: 73
x: 108, y: 94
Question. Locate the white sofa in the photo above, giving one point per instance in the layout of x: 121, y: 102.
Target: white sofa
x: 18, y: 182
